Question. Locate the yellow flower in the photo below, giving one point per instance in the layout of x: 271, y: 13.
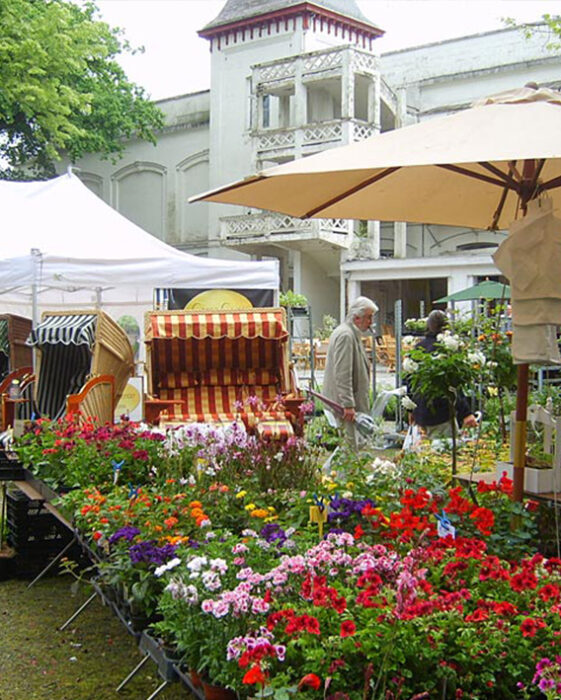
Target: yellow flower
x: 271, y: 509
x: 250, y: 506
x: 493, y: 390
x: 241, y: 494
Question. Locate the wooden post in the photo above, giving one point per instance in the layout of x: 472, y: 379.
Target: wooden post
x: 519, y: 461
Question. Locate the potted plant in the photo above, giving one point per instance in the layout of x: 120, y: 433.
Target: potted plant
x: 298, y: 303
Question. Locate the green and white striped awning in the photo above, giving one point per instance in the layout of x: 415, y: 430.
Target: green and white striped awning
x: 75, y: 329
x: 4, y: 338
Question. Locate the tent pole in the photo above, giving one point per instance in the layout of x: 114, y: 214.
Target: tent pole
x: 36, y: 257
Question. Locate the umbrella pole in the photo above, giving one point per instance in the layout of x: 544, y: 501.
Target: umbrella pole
x: 528, y: 191
x: 520, y: 432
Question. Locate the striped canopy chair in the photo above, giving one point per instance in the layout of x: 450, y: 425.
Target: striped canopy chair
x: 16, y: 364
x: 14, y: 353
x: 84, y: 361
x: 217, y: 367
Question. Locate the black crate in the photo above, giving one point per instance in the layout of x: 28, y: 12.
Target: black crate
x: 11, y: 469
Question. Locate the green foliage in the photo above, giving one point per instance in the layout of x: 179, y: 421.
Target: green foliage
x: 328, y: 325
x: 290, y: 298
x: 62, y: 88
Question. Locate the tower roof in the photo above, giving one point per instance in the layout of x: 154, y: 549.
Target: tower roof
x: 239, y: 12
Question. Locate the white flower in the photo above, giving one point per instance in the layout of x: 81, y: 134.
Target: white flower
x: 171, y: 564
x: 476, y: 358
x: 383, y: 466
x: 197, y: 563
x: 407, y: 403
x: 410, y: 365
x: 450, y: 342
x: 211, y: 580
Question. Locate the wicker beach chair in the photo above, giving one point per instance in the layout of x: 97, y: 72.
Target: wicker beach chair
x: 14, y: 353
x: 220, y: 367
x: 84, y: 361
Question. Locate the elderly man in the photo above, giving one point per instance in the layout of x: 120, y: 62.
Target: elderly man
x: 347, y: 372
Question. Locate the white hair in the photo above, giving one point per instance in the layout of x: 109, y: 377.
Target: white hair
x: 359, y: 307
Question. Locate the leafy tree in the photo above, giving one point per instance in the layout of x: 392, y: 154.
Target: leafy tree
x: 61, y: 88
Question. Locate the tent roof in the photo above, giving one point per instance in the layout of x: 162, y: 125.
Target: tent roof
x: 73, y: 245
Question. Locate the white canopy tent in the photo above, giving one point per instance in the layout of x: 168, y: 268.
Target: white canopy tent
x: 63, y: 247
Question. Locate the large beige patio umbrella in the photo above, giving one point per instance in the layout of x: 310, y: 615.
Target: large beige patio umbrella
x: 476, y: 168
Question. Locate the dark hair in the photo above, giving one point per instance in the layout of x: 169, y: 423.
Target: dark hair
x: 436, y: 321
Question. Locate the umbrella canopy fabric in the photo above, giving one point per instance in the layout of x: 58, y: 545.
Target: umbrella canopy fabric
x: 488, y: 289
x: 464, y: 169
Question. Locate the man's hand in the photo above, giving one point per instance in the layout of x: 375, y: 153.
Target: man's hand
x: 470, y: 421
x: 349, y: 414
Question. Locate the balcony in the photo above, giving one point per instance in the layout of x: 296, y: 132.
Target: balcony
x: 251, y: 232
x: 273, y: 144
x: 315, y: 65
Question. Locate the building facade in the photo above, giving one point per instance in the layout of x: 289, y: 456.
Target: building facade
x: 290, y: 78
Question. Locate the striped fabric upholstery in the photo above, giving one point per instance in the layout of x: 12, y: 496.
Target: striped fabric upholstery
x: 78, y: 329
x: 63, y: 371
x: 180, y: 380
x: 238, y: 377
x: 266, y: 324
x: 4, y: 337
x: 173, y: 356
x: 269, y: 430
x: 219, y: 367
x: 203, y: 403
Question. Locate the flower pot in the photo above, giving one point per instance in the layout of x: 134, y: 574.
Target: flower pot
x: 196, y: 679
x: 217, y: 692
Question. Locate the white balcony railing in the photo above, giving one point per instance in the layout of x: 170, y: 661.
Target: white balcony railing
x: 311, y: 137
x: 270, y: 227
x: 314, y: 64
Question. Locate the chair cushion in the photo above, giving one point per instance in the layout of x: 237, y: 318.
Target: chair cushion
x: 268, y: 430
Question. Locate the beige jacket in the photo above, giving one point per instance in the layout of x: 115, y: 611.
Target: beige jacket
x: 347, y: 371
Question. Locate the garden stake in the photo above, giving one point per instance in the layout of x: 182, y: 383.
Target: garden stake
x: 318, y: 514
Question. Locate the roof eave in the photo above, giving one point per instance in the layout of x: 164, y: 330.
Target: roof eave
x: 289, y: 12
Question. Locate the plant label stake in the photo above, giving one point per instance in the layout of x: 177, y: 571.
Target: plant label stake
x: 318, y: 514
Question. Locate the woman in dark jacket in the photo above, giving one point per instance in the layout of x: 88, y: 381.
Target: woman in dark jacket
x: 434, y: 417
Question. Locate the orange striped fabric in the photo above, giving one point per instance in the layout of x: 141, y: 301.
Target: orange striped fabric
x: 265, y: 323
x: 274, y: 430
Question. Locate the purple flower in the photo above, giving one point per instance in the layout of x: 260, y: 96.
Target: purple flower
x: 150, y: 553
x: 128, y: 532
x: 273, y: 532
x: 345, y: 508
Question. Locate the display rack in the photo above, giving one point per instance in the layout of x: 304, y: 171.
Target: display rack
x: 302, y: 340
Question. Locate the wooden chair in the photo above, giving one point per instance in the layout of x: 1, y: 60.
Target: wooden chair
x: 386, y: 351
x: 320, y: 355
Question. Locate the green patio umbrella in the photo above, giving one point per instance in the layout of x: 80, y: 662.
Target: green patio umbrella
x: 488, y: 289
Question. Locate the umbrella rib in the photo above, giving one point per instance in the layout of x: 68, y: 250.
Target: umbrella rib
x: 478, y: 176
x: 347, y: 193
x: 508, y: 180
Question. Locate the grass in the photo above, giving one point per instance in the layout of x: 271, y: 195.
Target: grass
x: 86, y: 661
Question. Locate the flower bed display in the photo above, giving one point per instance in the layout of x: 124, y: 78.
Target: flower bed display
x: 380, y: 580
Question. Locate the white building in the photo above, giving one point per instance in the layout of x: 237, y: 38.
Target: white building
x: 290, y: 78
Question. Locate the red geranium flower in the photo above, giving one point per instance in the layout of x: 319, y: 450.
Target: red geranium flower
x: 254, y: 675
x: 310, y: 680
x: 348, y: 628
x: 530, y: 626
